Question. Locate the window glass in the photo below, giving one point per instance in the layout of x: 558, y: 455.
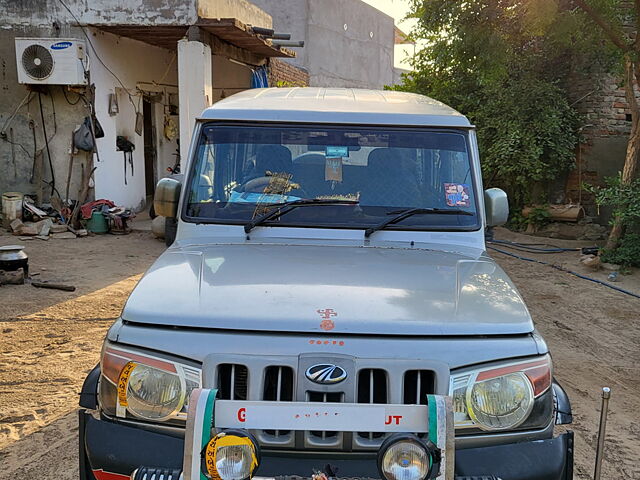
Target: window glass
x: 240, y: 172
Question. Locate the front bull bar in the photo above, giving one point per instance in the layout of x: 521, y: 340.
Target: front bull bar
x: 209, y: 417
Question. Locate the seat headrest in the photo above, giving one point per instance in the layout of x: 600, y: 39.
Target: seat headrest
x: 274, y: 158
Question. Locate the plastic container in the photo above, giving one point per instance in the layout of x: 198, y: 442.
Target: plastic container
x: 97, y: 223
x: 11, y: 207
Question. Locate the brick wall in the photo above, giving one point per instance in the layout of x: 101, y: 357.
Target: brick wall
x: 283, y: 74
x: 600, y: 98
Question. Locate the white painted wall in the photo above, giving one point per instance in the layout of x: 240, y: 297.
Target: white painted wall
x: 195, y: 90
x: 132, y: 62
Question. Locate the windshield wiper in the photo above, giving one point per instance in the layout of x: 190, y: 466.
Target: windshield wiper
x: 402, y: 214
x: 285, y: 207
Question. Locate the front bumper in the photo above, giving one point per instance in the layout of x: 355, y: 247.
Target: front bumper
x: 111, y: 451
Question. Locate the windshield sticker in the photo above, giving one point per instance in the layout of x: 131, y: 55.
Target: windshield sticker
x: 333, y: 169
x: 457, y: 195
x: 336, y: 152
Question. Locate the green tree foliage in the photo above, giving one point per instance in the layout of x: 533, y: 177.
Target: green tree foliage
x: 505, y: 64
x: 623, y: 198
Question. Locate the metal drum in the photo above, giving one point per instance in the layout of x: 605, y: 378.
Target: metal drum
x: 12, y: 258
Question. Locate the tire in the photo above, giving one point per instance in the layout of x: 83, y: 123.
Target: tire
x: 170, y: 231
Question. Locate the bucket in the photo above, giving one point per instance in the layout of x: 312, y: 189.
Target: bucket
x: 97, y: 223
x: 11, y: 207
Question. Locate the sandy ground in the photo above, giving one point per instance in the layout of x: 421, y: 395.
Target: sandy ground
x: 50, y: 339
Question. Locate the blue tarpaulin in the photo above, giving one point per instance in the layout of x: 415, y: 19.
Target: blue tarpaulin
x: 259, y: 78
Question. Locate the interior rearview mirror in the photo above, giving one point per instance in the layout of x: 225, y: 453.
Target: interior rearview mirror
x: 496, y: 207
x: 166, y: 197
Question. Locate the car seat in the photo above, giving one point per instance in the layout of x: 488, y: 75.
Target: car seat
x: 391, y: 180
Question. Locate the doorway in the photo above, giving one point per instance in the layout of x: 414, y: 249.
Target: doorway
x: 150, y: 154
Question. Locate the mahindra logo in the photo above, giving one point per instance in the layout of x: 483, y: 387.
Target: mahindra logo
x: 326, y: 374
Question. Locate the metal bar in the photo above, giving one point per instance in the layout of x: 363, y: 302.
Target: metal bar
x: 288, y: 43
x: 371, y: 386
x: 324, y: 399
x: 278, y: 392
x: 371, y: 395
x: 262, y: 31
x: 604, y: 409
x: 418, y: 386
x: 232, y: 386
x: 319, y: 416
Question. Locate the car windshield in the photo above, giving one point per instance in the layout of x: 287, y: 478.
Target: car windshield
x: 242, y: 172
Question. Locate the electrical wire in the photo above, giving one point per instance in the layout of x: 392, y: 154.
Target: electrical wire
x: 46, y: 141
x: 24, y: 101
x: 53, y: 110
x: 84, y: 31
x: 533, y: 248
x: 64, y: 92
x: 566, y: 270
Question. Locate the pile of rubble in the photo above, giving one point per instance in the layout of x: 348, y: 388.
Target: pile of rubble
x: 44, y: 230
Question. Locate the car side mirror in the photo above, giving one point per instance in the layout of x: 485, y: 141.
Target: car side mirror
x: 496, y: 207
x: 166, y: 197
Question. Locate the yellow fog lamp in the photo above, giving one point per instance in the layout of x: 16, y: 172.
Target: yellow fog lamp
x: 231, y: 455
x: 407, y: 457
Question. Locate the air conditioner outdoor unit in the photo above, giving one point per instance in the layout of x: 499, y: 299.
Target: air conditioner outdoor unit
x: 51, y: 61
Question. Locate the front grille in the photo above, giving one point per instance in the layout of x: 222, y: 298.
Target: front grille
x: 282, y: 379
x: 331, y: 397
x: 372, y: 388
x: 417, y: 385
x: 232, y: 381
x: 278, y: 386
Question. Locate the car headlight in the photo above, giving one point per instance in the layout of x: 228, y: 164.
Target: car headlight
x: 407, y: 457
x: 146, y: 387
x: 231, y: 455
x: 502, y: 397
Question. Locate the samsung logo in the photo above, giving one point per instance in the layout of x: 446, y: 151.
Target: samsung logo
x: 61, y: 45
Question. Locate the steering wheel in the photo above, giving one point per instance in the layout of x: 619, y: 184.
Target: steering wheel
x: 255, y: 185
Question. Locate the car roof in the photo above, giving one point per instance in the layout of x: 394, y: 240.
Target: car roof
x: 336, y: 106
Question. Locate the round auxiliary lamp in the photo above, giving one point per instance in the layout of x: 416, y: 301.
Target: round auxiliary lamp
x: 232, y: 454
x: 405, y: 456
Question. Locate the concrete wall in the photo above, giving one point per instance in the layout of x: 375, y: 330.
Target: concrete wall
x: 16, y: 161
x: 133, y: 62
x: 228, y: 77
x: 137, y: 65
x: 42, y: 13
x: 243, y: 10
x: 360, y: 55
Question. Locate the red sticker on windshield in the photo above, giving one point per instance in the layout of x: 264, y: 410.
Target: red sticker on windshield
x: 457, y: 195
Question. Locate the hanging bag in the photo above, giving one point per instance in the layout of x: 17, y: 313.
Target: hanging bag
x: 82, y: 137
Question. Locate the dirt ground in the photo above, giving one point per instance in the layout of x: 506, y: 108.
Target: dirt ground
x: 50, y: 339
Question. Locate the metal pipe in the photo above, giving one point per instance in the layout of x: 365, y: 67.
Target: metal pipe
x: 281, y: 36
x: 288, y: 43
x: 262, y: 31
x: 606, y: 394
